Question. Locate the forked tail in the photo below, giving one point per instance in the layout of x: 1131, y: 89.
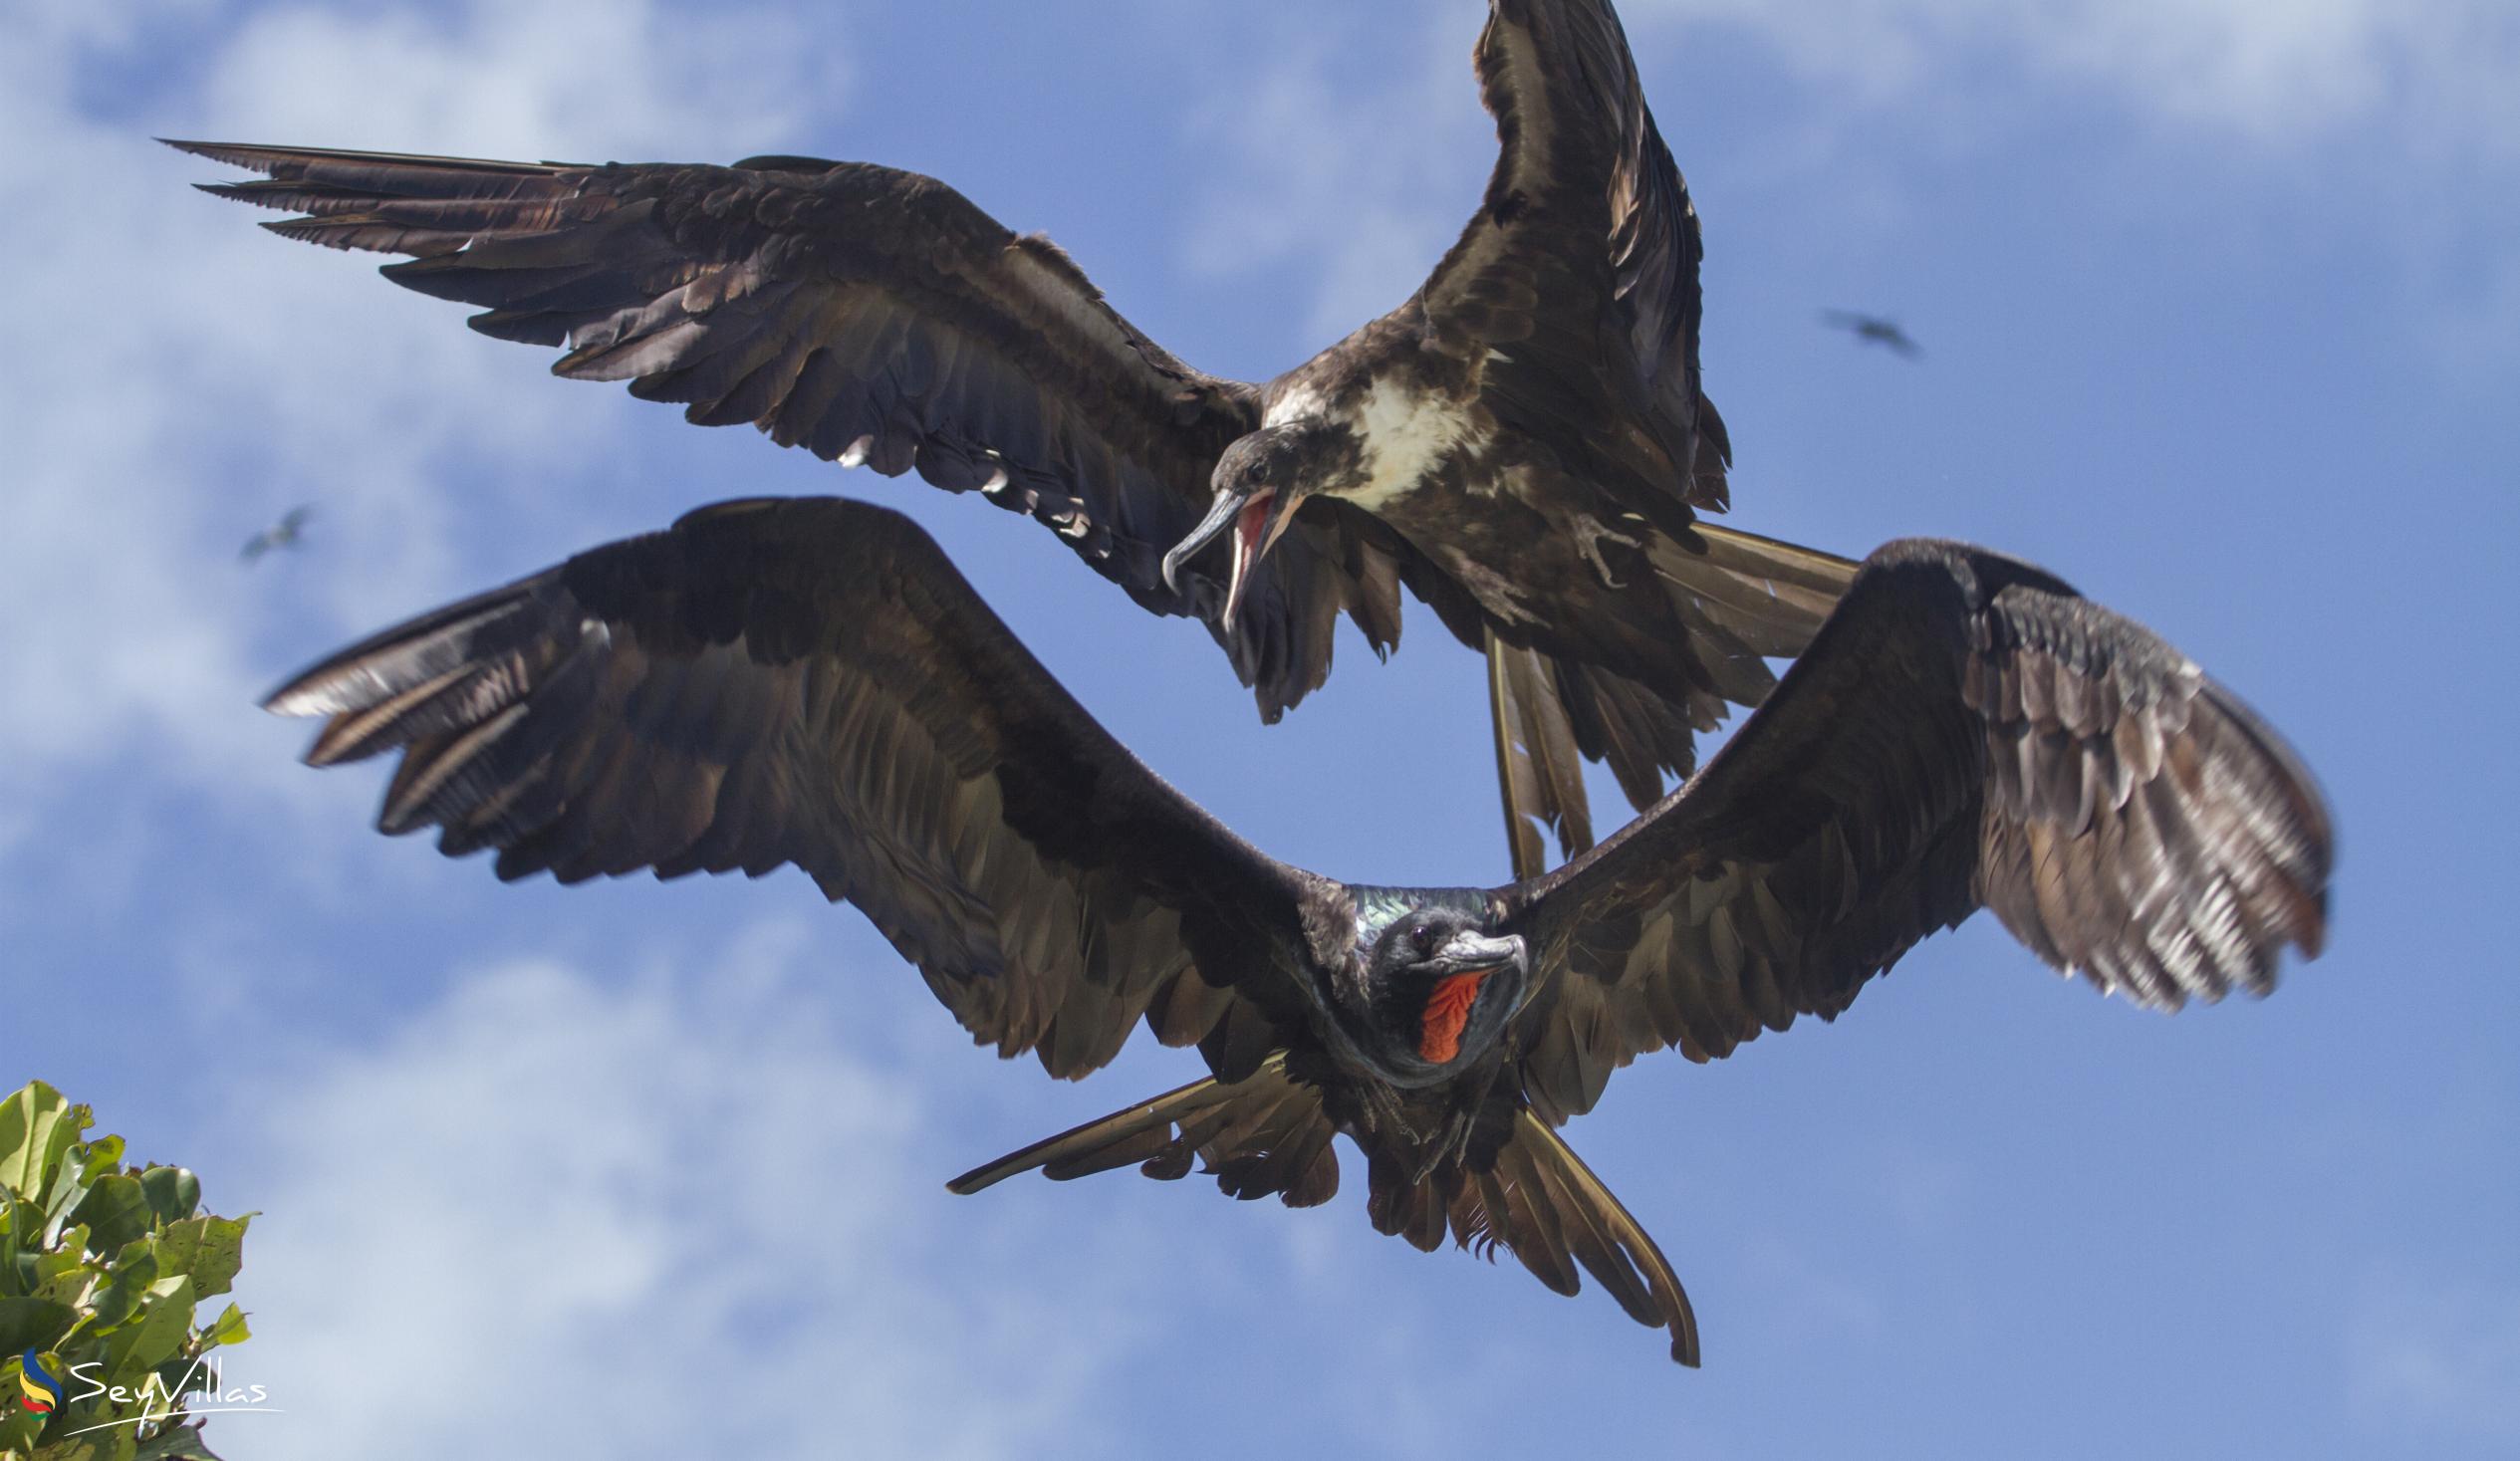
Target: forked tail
x: 1269, y: 1135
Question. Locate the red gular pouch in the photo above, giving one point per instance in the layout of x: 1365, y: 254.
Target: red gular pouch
x: 1447, y: 1014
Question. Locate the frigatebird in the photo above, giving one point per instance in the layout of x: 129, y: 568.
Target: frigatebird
x: 1874, y: 329
x: 810, y: 682
x: 286, y: 532
x: 1523, y: 443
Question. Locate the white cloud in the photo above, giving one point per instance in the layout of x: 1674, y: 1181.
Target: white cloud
x: 169, y: 394
x: 1351, y: 161
x: 580, y: 80
x: 1362, y: 185
x: 692, y: 1216
x: 2283, y: 71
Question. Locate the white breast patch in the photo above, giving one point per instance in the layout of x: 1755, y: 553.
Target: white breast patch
x: 1404, y: 436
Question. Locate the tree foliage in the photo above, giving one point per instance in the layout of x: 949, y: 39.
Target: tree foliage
x: 104, y: 1269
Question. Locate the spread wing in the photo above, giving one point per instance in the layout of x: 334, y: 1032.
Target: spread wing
x: 810, y: 682
x: 1577, y: 280
x: 1574, y: 294
x: 1965, y: 731
x: 869, y: 315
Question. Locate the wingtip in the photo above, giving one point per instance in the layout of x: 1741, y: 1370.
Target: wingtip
x: 234, y: 154
x: 989, y: 1174
x: 285, y: 700
x: 308, y: 692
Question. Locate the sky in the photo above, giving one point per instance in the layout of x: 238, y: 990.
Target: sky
x: 2220, y: 310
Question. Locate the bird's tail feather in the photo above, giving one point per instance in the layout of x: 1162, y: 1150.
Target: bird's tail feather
x: 1260, y: 1136
x: 1269, y: 1134
x: 1539, y: 771
x: 1538, y: 1201
x: 1755, y: 596
x: 1744, y: 599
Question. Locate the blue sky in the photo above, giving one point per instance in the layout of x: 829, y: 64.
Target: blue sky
x: 2220, y: 302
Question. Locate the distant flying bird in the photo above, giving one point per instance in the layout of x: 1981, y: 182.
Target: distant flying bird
x: 1523, y: 443
x: 1875, y: 328
x: 282, y: 534
x: 810, y: 682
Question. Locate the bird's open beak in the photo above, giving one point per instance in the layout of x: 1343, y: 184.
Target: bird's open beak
x: 1255, y: 532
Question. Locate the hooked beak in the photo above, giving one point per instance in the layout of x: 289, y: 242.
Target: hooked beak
x: 1220, y: 513
x: 1255, y: 532
x: 1472, y: 953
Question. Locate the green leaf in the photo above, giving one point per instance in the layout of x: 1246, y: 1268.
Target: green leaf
x: 174, y: 1192
x: 33, y: 1324
x: 19, y: 1428
x: 127, y: 1287
x: 227, y: 1328
x: 176, y: 1443
x: 97, y: 1158
x: 71, y: 1286
x: 117, y: 1444
x: 87, y: 1164
x: 210, y: 1249
x: 116, y: 1211
x: 165, y: 1317
x: 69, y: 1251
x: 36, y: 1126
x: 17, y: 1262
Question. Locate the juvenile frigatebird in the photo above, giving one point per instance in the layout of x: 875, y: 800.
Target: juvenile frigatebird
x: 1523, y: 443
x: 808, y: 681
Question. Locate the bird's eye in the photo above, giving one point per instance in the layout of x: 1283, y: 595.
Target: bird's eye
x: 1422, y: 938
x: 1259, y: 470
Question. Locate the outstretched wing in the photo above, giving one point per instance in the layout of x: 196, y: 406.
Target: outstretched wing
x: 869, y: 315
x: 1577, y: 281
x: 1965, y: 731
x: 810, y: 682
x: 1573, y: 295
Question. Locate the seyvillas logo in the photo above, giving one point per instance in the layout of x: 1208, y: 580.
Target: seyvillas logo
x: 40, y: 1391
x: 201, y: 1391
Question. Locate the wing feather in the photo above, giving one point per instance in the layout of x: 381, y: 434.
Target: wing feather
x: 1581, y: 267
x: 810, y: 683
x: 869, y: 315
x: 1965, y: 731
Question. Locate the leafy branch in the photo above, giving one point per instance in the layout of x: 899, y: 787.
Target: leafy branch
x: 103, y: 1272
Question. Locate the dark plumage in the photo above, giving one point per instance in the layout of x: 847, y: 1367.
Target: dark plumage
x: 1874, y: 329
x: 287, y: 533
x: 811, y: 683
x: 1523, y: 443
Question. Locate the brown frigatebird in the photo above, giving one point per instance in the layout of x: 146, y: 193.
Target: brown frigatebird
x: 810, y: 682
x: 1523, y: 443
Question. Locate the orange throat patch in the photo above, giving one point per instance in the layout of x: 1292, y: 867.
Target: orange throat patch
x: 1446, y: 1015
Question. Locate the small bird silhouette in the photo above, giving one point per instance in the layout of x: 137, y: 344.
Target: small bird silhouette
x: 282, y: 534
x: 1875, y: 328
